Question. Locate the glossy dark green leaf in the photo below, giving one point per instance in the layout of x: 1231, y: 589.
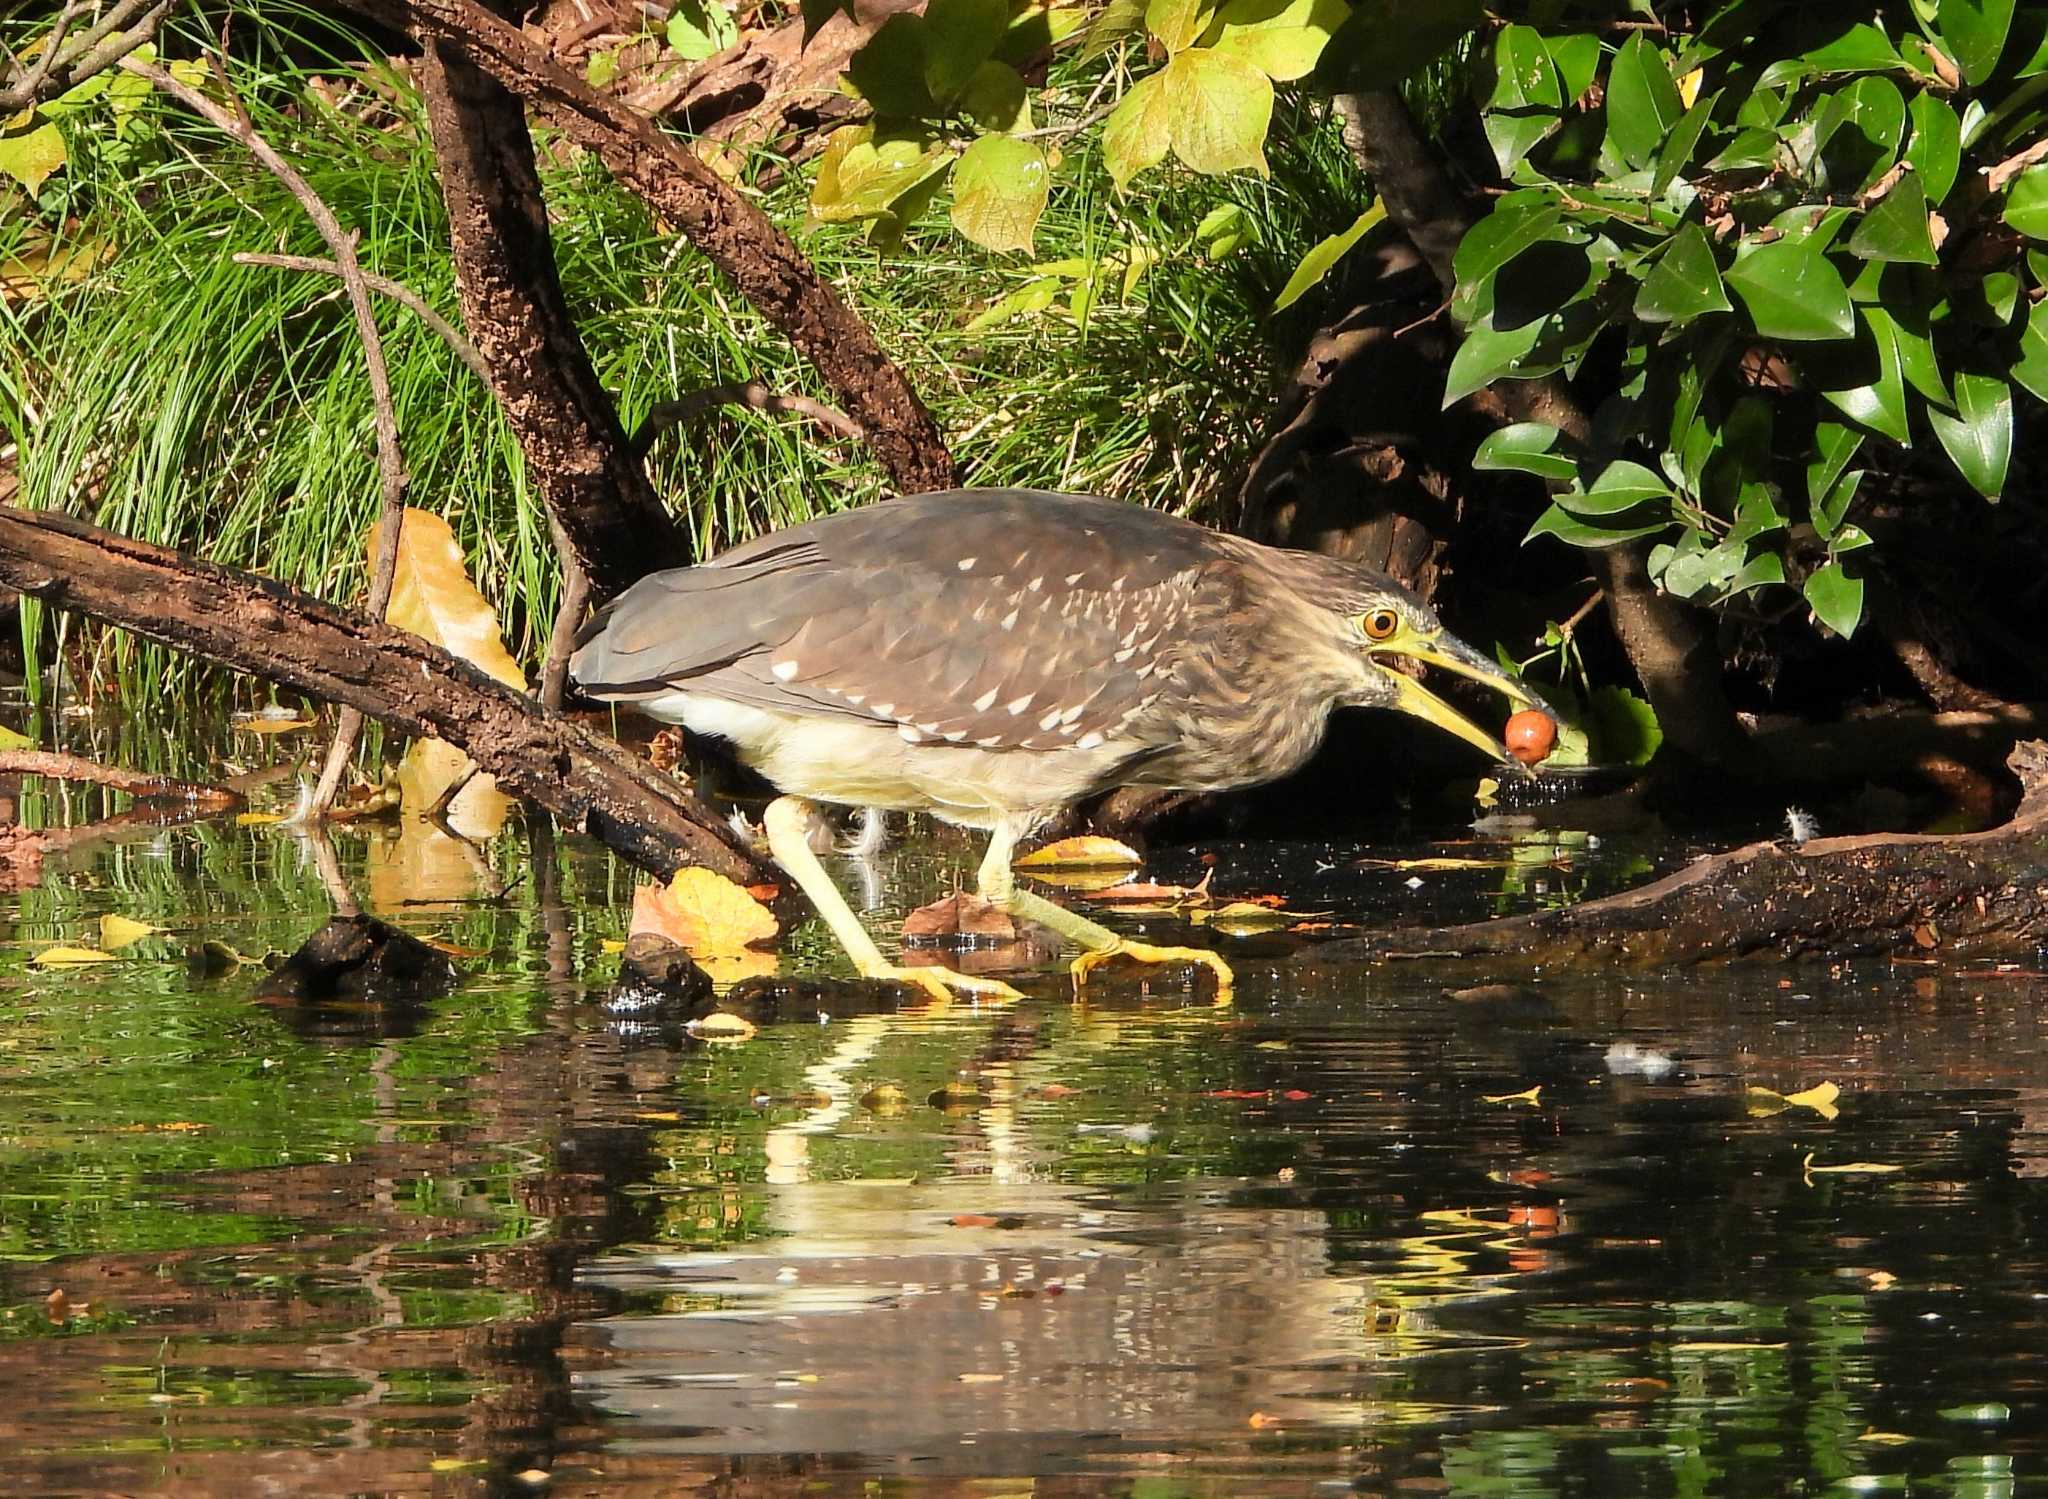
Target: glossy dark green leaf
x: 1577, y: 57
x: 1974, y: 32
x: 1978, y: 437
x: 1526, y: 447
x: 1761, y: 570
x: 1622, y: 486
x: 1514, y: 136
x: 1861, y: 48
x: 959, y: 36
x: 1515, y: 224
x: 1936, y: 146
x: 1684, y: 283
x: 1751, y: 148
x: 1858, y: 133
x: 1897, y: 228
x: 1679, y: 146
x: 2026, y: 203
x: 1567, y: 527
x: 1524, y: 77
x: 2031, y: 369
x: 1791, y: 291
x: 1828, y: 508
x: 1835, y: 598
x: 1879, y: 404
x: 1642, y: 101
x: 1833, y: 446
x: 1486, y: 356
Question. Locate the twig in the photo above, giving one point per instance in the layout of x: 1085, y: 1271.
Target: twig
x: 554, y: 673
x: 58, y: 766
x: 128, y: 25
x: 398, y: 292
x: 1428, y: 317
x: 390, y: 458
x: 753, y: 394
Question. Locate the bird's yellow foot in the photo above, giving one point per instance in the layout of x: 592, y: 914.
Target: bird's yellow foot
x: 1145, y: 952
x: 940, y: 983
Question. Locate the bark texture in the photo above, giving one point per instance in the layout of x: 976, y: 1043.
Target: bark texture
x: 269, y: 630
x: 764, y: 264
x: 1968, y: 895
x: 518, y: 319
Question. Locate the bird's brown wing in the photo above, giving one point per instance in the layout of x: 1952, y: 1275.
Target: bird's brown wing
x: 1002, y: 619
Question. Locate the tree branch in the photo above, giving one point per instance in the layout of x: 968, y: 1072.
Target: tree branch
x: 62, y: 65
x: 62, y: 767
x: 752, y: 394
x: 397, y: 291
x: 764, y: 264
x: 264, y: 628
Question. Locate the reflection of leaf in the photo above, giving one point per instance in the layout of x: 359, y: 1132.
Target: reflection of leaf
x: 1848, y: 1168
x: 71, y: 957
x: 720, y: 1026
x: 272, y: 721
x: 1244, y: 918
x: 1527, y: 1095
x: 703, y: 912
x: 117, y: 932
x: 1086, y: 852
x: 1439, y: 863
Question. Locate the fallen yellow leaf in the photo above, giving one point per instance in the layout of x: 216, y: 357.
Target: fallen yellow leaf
x: 1761, y: 1103
x: 71, y: 957
x: 257, y: 819
x: 1848, y: 1168
x: 1088, y: 851
x: 702, y: 912
x: 432, y: 597
x: 719, y: 1026
x: 271, y: 723
x: 1527, y: 1095
x: 1689, y: 87
x: 117, y: 932
x: 1243, y: 918
x: 1442, y: 862
x: 610, y: 944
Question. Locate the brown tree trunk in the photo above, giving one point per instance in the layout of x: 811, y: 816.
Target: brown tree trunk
x: 269, y: 630
x: 1674, y: 655
x: 519, y: 320
x: 774, y: 276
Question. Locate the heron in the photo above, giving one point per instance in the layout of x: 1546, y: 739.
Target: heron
x: 992, y: 656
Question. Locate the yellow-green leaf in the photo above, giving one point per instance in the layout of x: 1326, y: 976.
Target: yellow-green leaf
x: 1086, y: 852
x: 1176, y: 22
x: 860, y: 173
x: 999, y: 191
x: 14, y: 739
x: 1139, y: 132
x: 995, y: 98
x: 71, y: 957
x: 1317, y: 263
x: 1527, y: 1095
x: 1219, y: 108
x: 117, y: 932
x: 30, y: 152
x: 1281, y: 38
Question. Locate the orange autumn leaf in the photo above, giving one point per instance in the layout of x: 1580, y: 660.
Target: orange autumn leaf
x: 432, y: 597
x: 1089, y: 852
x: 702, y: 912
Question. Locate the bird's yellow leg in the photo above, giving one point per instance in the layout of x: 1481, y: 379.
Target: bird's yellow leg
x: 998, y: 886
x: 787, y: 821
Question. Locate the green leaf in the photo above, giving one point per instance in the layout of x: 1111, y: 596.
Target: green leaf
x: 1835, y: 598
x: 699, y: 28
x: 1033, y: 296
x: 29, y: 154
x: 1224, y: 220
x: 1387, y: 41
x: 1979, y: 437
x: 1567, y: 527
x: 1623, y: 485
x: 995, y: 98
x: 2031, y: 369
x: 861, y: 172
x: 1515, y: 224
x: 1858, y: 133
x: 1177, y: 23
x: 1625, y: 727
x: 2026, y: 203
x: 1936, y: 146
x: 959, y: 35
x: 1219, y: 109
x: 1140, y: 130
x: 1642, y: 101
x: 1119, y: 19
x: 999, y: 192
x: 1881, y: 404
x: 1833, y: 445
x: 1684, y: 283
x: 14, y: 739
x: 1035, y: 29
x: 1524, y: 77
x: 1684, y: 139
x: 1897, y: 228
x: 1525, y: 447
x: 889, y: 71
x: 1486, y: 356
x: 1861, y: 48
x: 1829, y: 508
x: 1916, y: 348
x: 1577, y: 57
x: 1975, y: 32
x: 602, y: 68
x: 1281, y: 38
x: 1792, y: 292
x: 1316, y: 264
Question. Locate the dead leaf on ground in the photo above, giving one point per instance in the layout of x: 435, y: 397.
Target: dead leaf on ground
x: 703, y: 913
x: 71, y: 957
x: 1089, y: 851
x: 117, y: 932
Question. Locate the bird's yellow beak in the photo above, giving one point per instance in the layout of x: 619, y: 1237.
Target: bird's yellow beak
x: 1447, y: 653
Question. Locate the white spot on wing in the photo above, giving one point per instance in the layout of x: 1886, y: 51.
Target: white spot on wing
x: 784, y: 670
x: 986, y: 701
x: 1035, y: 584
x: 967, y: 564
x: 1050, y: 721
x: 1009, y: 621
x: 1088, y: 740
x: 1072, y: 579
x: 1017, y: 705
x: 885, y: 710
x: 910, y: 735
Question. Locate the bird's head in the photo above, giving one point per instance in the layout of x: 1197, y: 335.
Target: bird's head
x: 1380, y: 625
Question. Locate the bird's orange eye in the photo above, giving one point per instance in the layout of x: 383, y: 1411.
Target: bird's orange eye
x: 1380, y: 624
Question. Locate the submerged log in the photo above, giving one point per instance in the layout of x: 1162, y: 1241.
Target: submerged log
x: 262, y: 627
x: 1970, y: 894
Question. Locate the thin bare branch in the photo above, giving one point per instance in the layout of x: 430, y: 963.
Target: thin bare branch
x: 68, y: 60
x: 554, y: 673
x: 752, y: 394
x: 398, y: 292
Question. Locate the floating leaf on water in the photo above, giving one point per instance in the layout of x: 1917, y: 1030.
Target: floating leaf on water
x: 258, y: 819
x: 611, y: 944
x: 1436, y: 863
x: 1245, y: 918
x: 1761, y: 1103
x: 1989, y: 1413
x: 702, y: 912
x: 117, y: 932
x: 1087, y: 852
x: 71, y: 957
x: 1886, y: 1438
x: 719, y: 1026
x: 1144, y: 891
x: 1527, y: 1095
x: 1848, y: 1168
x: 885, y: 1099
x: 273, y: 720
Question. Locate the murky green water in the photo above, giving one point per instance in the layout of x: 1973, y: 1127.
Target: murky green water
x: 1310, y: 1243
